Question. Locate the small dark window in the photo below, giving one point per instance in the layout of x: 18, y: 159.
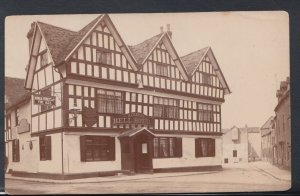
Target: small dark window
x: 167, y: 147
x: 45, y: 148
x: 234, y: 153
x: 44, y: 59
x: 16, y: 150
x: 97, y: 148
x: 226, y: 160
x: 103, y: 57
x: 204, y: 147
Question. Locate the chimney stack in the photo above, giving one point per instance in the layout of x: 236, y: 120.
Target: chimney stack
x: 169, y: 31
x: 161, y: 29
x: 30, y: 35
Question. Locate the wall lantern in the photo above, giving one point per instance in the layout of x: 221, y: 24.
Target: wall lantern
x: 140, y: 83
x: 74, y: 111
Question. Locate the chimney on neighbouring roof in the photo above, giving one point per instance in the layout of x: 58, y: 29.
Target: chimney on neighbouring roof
x: 161, y: 29
x: 169, y: 31
x: 30, y: 35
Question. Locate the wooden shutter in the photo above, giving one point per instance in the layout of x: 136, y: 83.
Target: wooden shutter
x: 178, y: 147
x: 82, y: 148
x: 48, y: 147
x: 197, y: 149
x: 112, y: 150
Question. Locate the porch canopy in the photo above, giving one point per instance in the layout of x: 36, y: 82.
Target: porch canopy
x: 135, y: 131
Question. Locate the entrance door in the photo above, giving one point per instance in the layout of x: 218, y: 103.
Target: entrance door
x: 143, y: 154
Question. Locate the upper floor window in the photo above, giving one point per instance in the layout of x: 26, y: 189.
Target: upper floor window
x: 161, y: 70
x: 206, y: 79
x: 103, y: 57
x: 204, y: 147
x: 205, y: 113
x: 110, y: 101
x: 44, y: 59
x: 165, y: 107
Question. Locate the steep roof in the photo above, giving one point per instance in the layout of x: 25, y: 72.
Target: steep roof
x: 192, y: 60
x: 141, y: 50
x: 62, y: 41
x: 268, y: 123
x: 15, y: 91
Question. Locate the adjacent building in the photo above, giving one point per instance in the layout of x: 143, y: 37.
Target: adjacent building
x: 98, y: 106
x: 241, y: 145
x: 268, y: 140
x: 283, y: 126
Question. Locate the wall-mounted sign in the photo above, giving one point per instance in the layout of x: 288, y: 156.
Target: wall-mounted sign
x: 24, y: 126
x: 132, y: 118
x: 89, y: 116
x: 44, y: 100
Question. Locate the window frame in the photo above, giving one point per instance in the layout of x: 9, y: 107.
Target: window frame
x: 45, y: 146
x: 114, y: 104
x: 16, y: 150
x: 176, y: 150
x: 209, y: 144
x: 104, y: 54
x: 162, y: 70
x: 95, y: 147
x: 170, y: 111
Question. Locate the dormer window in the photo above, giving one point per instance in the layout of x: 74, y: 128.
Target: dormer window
x: 161, y: 70
x: 103, y: 57
x: 44, y: 59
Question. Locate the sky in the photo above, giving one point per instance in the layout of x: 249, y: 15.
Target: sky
x: 252, y: 49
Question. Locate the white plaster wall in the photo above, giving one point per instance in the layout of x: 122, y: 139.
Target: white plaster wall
x: 73, y: 164
x: 53, y: 165
x: 188, y: 158
x: 242, y: 152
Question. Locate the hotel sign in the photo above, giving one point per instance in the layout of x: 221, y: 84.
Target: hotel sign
x: 44, y: 100
x: 132, y: 118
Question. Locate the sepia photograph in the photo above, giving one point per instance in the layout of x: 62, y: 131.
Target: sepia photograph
x: 190, y: 102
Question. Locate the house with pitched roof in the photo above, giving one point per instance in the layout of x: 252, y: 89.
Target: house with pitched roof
x: 100, y: 107
x: 268, y: 140
x: 241, y: 144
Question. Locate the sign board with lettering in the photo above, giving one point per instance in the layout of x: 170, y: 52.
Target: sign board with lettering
x: 132, y: 118
x: 89, y: 116
x: 44, y: 100
x: 24, y: 126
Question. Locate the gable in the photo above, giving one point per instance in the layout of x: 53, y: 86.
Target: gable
x: 203, y: 62
x: 110, y: 31
x: 40, y: 71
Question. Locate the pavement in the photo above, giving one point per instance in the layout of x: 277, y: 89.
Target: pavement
x: 278, y: 173
x: 275, y: 172
x: 120, y: 177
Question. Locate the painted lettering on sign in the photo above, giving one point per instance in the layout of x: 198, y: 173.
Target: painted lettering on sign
x: 132, y: 118
x: 44, y: 100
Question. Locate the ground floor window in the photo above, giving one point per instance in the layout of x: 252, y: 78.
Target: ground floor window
x: 167, y: 147
x: 204, y: 147
x: 45, y: 148
x: 15, y: 151
x: 97, y: 148
x: 234, y: 153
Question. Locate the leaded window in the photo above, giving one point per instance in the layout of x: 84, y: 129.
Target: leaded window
x: 165, y: 107
x: 110, y: 102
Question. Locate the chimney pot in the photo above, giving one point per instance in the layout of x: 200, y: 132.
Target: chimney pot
x: 161, y: 29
